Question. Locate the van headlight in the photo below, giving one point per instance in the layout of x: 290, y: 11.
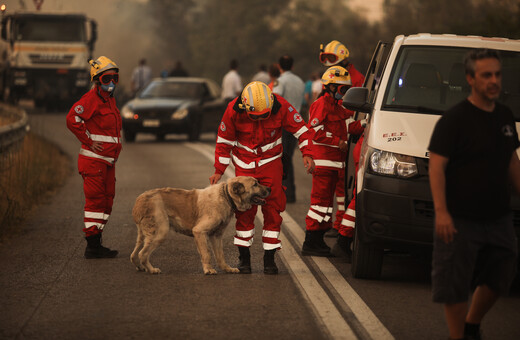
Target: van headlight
x: 392, y: 164
x: 180, y: 114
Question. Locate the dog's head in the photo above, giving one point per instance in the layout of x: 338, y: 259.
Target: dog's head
x: 246, y: 191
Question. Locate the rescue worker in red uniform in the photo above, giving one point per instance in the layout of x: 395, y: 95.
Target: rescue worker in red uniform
x: 337, y: 54
x: 250, y: 135
x: 329, y: 120
x: 96, y: 122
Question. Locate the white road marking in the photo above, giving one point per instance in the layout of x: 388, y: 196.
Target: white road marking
x: 327, y: 313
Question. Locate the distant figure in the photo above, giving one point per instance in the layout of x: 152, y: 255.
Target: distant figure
x: 178, y: 71
x: 141, y: 76
x: 274, y: 73
x: 291, y: 87
x: 262, y: 75
x: 231, y: 83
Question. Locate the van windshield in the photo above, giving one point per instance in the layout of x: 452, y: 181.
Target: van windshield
x: 431, y: 79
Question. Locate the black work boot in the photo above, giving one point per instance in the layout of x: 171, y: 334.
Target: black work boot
x: 245, y: 260
x: 269, y: 264
x: 314, y: 244
x: 342, y: 248
x: 95, y: 250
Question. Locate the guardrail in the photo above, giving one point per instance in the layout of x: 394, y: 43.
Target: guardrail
x: 12, y: 134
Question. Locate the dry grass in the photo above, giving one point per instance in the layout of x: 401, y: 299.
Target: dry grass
x: 28, y: 173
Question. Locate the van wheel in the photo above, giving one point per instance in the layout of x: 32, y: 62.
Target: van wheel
x: 367, y: 259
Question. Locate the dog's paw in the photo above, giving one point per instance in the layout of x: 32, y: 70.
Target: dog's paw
x: 232, y: 270
x: 140, y: 269
x: 155, y: 271
x: 210, y: 271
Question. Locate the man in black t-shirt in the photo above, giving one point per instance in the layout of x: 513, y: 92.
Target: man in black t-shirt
x: 473, y: 162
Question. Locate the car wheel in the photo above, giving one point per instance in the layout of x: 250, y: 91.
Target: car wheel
x: 367, y: 258
x: 194, y: 133
x: 129, y: 135
x: 160, y: 137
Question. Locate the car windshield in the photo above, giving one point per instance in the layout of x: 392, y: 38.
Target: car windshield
x: 431, y: 80
x: 167, y: 89
x: 50, y: 29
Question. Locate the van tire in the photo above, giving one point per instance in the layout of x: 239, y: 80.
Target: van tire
x: 367, y: 259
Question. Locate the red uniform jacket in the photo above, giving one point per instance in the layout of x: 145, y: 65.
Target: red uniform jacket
x: 331, y: 122
x: 256, y: 143
x: 96, y: 118
x: 355, y: 76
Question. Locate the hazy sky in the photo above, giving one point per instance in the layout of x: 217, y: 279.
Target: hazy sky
x: 118, y: 37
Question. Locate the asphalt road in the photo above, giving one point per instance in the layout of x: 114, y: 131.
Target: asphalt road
x: 49, y: 291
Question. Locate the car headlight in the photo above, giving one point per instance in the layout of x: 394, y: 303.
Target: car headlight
x: 393, y: 164
x: 127, y: 113
x: 180, y: 114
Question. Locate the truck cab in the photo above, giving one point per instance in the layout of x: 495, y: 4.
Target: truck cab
x: 44, y: 56
x: 409, y: 84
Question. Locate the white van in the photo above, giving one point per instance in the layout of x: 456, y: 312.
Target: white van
x: 408, y: 86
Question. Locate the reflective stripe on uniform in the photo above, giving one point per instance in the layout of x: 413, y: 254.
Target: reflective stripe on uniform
x: 224, y: 160
x: 106, y: 139
x: 318, y: 128
x: 93, y: 224
x: 243, y: 243
x: 329, y: 145
x: 96, y: 215
x: 225, y: 141
x: 351, y: 212
x: 242, y: 146
x: 332, y: 164
x: 348, y: 223
x: 270, y: 234
x: 92, y: 154
x: 303, y: 144
x: 252, y: 165
x: 245, y: 233
x: 271, y: 145
x: 267, y: 160
x: 271, y: 246
x: 300, y: 132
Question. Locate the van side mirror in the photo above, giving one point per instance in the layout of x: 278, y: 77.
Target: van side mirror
x: 356, y: 100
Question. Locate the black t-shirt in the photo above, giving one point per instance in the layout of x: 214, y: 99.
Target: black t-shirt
x: 479, y: 146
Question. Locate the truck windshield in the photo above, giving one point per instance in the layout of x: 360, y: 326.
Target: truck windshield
x: 431, y: 79
x: 50, y: 29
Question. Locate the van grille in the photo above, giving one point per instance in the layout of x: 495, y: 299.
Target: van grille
x: 424, y: 209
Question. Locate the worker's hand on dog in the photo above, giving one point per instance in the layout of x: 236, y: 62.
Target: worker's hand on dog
x: 215, y: 178
x: 97, y: 146
x: 308, y: 163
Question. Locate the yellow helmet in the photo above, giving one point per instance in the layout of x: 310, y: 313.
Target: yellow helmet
x: 336, y: 75
x: 257, y: 100
x: 101, y: 65
x: 333, y: 53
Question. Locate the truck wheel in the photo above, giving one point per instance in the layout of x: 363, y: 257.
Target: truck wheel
x: 129, y: 136
x: 367, y: 259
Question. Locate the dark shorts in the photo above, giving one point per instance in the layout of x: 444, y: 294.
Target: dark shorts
x: 482, y: 253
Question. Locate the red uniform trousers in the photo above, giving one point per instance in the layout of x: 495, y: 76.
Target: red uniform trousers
x: 340, y: 198
x: 99, y: 186
x: 324, y: 183
x: 346, y: 228
x: 270, y: 175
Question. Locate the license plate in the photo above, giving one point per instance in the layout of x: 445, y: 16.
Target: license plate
x: 151, y: 122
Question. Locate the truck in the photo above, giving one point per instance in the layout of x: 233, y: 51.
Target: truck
x: 409, y: 84
x: 44, y: 57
